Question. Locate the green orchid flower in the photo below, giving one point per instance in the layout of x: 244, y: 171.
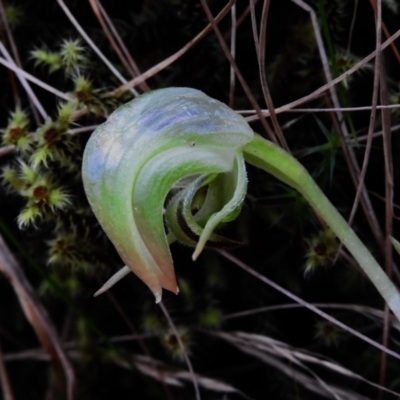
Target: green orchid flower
x: 176, y: 158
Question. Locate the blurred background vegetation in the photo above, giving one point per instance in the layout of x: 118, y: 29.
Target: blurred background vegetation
x: 120, y: 345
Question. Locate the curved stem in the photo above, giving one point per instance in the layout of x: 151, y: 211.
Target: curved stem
x: 274, y: 160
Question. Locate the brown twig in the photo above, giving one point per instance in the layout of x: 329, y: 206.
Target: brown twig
x: 133, y: 66
x: 241, y: 79
x: 12, y: 80
x: 6, y: 150
x: 171, y: 59
x: 321, y: 90
x: 107, y: 32
x: 326, y: 109
x: 239, y: 21
x: 369, y: 312
x: 135, y: 333
x: 170, y: 375
x: 372, y: 118
x: 341, y: 127
x: 262, y: 347
x: 183, y: 349
x: 263, y: 76
x: 8, y: 392
x: 92, y: 45
x: 38, y: 318
x: 233, y: 52
x: 35, y: 103
x: 32, y: 100
x: 305, y: 304
x: 388, y: 171
x: 351, y: 30
x: 386, y: 32
x: 33, y: 79
x: 254, y: 27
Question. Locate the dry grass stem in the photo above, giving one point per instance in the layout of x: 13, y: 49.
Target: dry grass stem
x: 93, y: 46
x: 267, y: 349
x: 385, y: 30
x: 31, y: 95
x: 133, y: 66
x: 371, y: 127
x: 239, y: 75
x: 174, y: 377
x: 305, y: 304
x: 325, y: 109
x: 33, y: 79
x: 263, y: 75
x: 38, y: 318
x: 137, y: 337
x: 183, y: 349
x: 7, y: 390
x: 316, y: 93
x: 369, y: 312
x: 99, y: 15
x: 154, y: 368
x: 342, y: 128
x: 6, y: 150
x: 171, y: 59
x: 233, y: 52
x: 32, y: 100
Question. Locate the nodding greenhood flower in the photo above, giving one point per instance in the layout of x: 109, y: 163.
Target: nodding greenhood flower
x: 182, y: 143
x: 163, y: 140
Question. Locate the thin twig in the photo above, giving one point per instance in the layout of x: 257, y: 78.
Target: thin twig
x: 13, y: 82
x: 316, y: 93
x: 6, y: 150
x: 254, y: 27
x: 388, y: 171
x: 171, y: 59
x: 182, y: 347
x: 233, y: 52
x: 38, y: 317
x: 351, y: 30
x: 33, y: 101
x: 305, y: 304
x: 7, y: 390
x: 372, y: 118
x: 366, y: 311
x: 135, y: 69
x: 263, y: 76
x: 324, y: 109
x: 241, y: 79
x: 239, y: 21
x: 261, y: 345
x: 386, y: 32
x: 348, y: 152
x: 107, y: 32
x: 93, y: 45
x: 139, y: 339
x: 83, y: 129
x: 36, y: 81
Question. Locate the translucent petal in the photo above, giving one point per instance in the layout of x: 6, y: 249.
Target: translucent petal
x: 133, y: 160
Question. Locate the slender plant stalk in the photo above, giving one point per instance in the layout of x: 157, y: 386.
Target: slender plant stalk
x: 283, y: 166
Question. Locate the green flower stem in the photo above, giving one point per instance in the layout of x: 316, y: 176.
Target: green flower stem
x: 271, y: 158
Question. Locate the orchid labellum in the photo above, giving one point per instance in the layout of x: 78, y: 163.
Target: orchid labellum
x: 178, y: 142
